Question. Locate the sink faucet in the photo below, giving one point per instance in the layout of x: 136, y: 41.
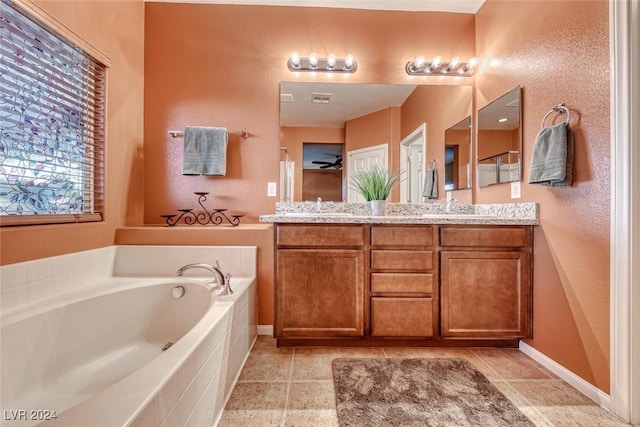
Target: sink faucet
x: 450, y: 203
x: 318, y: 204
x: 218, y: 277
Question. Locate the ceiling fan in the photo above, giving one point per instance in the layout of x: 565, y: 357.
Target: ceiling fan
x: 337, y: 164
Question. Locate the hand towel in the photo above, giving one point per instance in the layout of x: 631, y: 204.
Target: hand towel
x: 205, y: 151
x: 430, y: 187
x: 552, y: 157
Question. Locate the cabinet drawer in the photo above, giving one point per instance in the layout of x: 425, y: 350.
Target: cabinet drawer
x: 402, y: 260
x: 402, y: 236
x: 508, y: 237
x: 320, y: 235
x: 403, y: 282
x: 401, y: 317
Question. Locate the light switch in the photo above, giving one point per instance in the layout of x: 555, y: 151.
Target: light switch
x: 515, y: 190
x: 272, y: 188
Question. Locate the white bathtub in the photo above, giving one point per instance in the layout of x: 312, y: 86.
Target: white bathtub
x: 96, y: 358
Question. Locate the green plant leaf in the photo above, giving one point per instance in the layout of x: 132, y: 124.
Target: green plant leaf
x: 374, y: 182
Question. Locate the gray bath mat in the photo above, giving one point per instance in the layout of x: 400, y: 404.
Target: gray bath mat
x: 419, y: 392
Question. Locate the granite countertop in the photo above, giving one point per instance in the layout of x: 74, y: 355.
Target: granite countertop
x: 398, y: 213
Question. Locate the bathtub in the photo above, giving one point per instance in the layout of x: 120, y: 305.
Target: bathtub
x: 128, y: 353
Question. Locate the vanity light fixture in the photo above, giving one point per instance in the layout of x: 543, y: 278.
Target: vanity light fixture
x: 421, y: 67
x: 330, y: 64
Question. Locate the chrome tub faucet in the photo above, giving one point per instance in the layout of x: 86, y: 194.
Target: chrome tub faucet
x: 218, y: 277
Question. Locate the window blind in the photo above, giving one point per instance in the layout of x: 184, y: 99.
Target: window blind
x: 51, y: 125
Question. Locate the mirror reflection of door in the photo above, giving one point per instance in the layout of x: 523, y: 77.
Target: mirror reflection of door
x: 322, y: 172
x: 363, y: 158
x: 411, y: 162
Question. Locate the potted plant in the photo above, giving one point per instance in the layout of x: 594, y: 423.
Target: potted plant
x: 375, y: 184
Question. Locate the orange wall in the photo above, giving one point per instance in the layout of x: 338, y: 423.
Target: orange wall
x: 440, y: 107
x: 294, y: 137
x: 492, y: 142
x: 379, y: 127
x: 560, y: 59
x: 224, y: 66
x: 116, y: 29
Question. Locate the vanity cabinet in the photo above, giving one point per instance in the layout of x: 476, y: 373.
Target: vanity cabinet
x: 415, y: 284
x: 319, y: 281
x: 485, y: 281
x: 403, y: 297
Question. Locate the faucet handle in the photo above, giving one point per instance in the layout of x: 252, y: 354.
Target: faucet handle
x: 226, y: 290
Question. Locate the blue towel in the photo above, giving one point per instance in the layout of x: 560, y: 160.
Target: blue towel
x: 552, y: 157
x: 205, y: 151
x: 430, y: 186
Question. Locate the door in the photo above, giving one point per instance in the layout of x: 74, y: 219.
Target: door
x: 412, y: 150
x: 362, y: 158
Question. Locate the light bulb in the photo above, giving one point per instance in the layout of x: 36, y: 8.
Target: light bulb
x: 295, y: 59
x: 331, y: 61
x: 436, y: 62
x: 454, y: 62
x: 349, y: 62
x: 313, y: 60
x: 473, y: 62
x: 419, y: 62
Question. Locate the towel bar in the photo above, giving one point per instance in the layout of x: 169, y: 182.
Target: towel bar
x: 560, y: 109
x: 179, y: 133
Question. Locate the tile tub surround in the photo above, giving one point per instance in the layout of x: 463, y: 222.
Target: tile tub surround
x: 407, y: 213
x: 31, y: 282
x: 198, y: 390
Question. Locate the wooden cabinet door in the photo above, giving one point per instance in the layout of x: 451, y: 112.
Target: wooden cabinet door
x: 320, y: 293
x: 486, y: 294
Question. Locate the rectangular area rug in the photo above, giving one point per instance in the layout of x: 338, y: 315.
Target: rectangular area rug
x: 419, y: 392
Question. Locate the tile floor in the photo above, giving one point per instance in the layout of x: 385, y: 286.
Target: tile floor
x: 294, y: 387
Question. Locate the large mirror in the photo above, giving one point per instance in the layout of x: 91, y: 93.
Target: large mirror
x: 325, y: 126
x: 500, y: 140
x: 457, y: 149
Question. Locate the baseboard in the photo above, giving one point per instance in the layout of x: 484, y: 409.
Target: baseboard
x: 584, y: 387
x: 265, y: 330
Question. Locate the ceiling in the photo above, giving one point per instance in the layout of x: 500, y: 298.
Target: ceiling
x: 507, y: 107
x: 347, y: 101
x: 457, y: 6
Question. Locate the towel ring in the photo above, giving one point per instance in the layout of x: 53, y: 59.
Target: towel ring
x: 560, y: 109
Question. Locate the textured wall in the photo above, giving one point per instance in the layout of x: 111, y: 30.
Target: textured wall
x: 117, y: 29
x: 558, y: 51
x: 221, y: 65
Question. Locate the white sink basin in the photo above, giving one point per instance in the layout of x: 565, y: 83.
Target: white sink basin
x: 318, y: 214
x: 457, y: 216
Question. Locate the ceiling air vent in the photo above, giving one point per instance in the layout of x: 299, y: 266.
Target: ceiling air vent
x: 320, y: 98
